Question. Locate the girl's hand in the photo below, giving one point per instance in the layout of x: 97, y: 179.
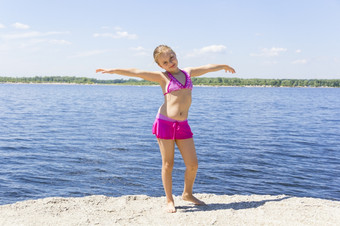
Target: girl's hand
x: 103, y: 71
x: 229, y: 69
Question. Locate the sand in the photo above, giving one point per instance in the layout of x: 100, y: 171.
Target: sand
x: 144, y: 210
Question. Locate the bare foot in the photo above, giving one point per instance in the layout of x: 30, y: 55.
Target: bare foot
x: 171, y: 207
x: 193, y: 199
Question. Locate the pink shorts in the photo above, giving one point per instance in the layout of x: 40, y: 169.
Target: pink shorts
x: 168, y: 128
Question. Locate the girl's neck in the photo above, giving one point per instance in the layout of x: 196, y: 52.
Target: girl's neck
x: 175, y: 71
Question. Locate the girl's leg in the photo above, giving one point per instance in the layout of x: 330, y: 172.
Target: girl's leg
x: 188, y: 151
x: 167, y: 148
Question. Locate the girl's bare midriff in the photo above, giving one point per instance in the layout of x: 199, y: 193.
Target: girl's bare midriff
x: 176, y: 104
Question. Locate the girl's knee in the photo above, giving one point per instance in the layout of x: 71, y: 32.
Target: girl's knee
x: 168, y: 166
x: 192, y: 166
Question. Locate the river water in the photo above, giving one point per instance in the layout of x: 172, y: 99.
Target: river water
x: 79, y: 140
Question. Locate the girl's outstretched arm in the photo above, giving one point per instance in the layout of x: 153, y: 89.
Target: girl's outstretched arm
x: 198, y: 71
x: 152, y: 76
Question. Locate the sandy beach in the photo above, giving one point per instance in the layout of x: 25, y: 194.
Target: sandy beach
x: 144, y: 210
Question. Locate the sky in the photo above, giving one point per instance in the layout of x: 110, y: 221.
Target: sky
x: 276, y: 39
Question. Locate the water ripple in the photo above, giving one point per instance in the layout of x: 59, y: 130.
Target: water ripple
x: 85, y: 140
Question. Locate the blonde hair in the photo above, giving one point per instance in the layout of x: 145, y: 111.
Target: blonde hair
x: 161, y: 49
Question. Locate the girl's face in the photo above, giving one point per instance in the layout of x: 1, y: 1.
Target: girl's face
x: 168, y: 61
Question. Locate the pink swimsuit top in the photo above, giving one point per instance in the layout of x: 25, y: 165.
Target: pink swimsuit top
x: 175, y: 85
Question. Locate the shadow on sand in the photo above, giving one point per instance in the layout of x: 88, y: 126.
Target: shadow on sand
x: 234, y: 206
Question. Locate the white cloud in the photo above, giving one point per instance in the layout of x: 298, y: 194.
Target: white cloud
x: 59, y: 42
x: 139, y: 48
x: 4, y: 48
x: 301, y: 61
x: 20, y: 26
x: 207, y: 50
x: 140, y: 51
x: 124, y: 34
x: 274, y: 51
x: 89, y: 53
x: 298, y: 51
x: 2, y: 26
x: 212, y: 49
x: 36, y: 43
x: 31, y: 40
x: 270, y: 62
x: 117, y: 35
x: 32, y: 34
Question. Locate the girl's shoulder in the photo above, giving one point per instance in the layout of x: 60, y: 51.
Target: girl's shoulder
x: 164, y: 74
x: 164, y: 77
x: 187, y: 70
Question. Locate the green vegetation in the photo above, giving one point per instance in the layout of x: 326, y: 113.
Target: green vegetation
x: 196, y: 81
x: 268, y: 82
x: 73, y: 80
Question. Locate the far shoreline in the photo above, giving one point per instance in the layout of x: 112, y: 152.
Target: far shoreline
x: 151, y: 85
x: 197, y: 81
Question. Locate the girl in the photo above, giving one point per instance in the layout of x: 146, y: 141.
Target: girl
x: 171, y: 126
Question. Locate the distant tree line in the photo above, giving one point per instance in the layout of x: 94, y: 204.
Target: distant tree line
x: 267, y: 82
x: 196, y: 81
x: 72, y: 80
